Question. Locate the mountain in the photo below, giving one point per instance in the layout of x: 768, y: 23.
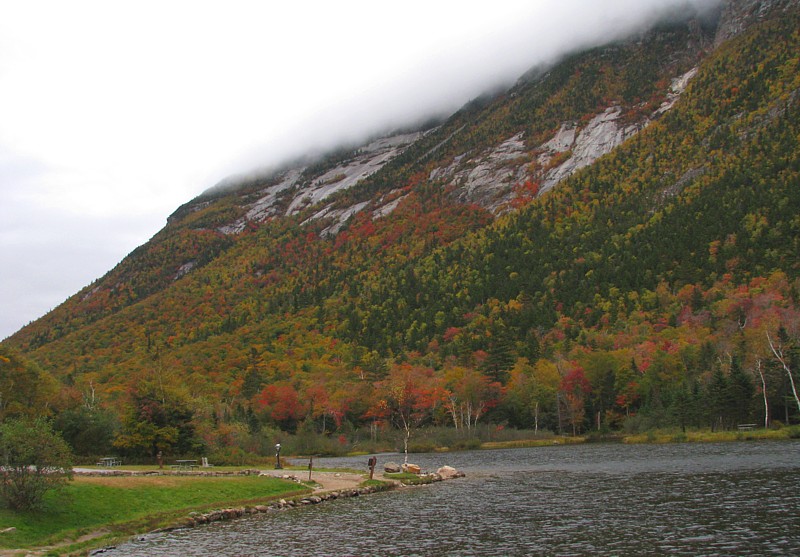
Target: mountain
x: 611, y: 242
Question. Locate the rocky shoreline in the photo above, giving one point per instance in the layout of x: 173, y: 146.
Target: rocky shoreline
x: 199, y: 519
x: 195, y: 519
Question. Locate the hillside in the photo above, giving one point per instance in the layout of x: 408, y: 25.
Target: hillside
x: 610, y: 243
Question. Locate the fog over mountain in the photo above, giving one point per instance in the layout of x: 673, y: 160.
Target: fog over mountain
x: 114, y: 116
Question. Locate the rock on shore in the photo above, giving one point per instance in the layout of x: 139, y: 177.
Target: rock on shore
x: 448, y: 472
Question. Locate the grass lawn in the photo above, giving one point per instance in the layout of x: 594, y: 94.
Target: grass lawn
x: 120, y: 506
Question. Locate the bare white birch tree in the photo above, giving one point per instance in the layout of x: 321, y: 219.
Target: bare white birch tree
x: 763, y: 392
x: 778, y: 351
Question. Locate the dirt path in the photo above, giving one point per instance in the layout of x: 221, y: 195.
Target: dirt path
x: 329, y: 481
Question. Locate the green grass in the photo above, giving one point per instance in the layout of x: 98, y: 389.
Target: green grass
x: 123, y: 506
x: 706, y: 436
x: 380, y: 484
x: 526, y: 443
x: 658, y: 436
x: 168, y: 468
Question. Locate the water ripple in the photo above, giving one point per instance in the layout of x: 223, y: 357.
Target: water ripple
x: 726, y: 499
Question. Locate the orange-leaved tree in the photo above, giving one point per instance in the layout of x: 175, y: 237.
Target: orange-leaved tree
x: 406, y: 397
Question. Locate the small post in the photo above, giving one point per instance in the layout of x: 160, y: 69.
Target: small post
x: 371, y: 463
x: 278, y: 457
x: 310, y: 466
x: 160, y: 458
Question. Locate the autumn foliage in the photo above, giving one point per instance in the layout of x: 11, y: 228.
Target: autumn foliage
x: 657, y: 287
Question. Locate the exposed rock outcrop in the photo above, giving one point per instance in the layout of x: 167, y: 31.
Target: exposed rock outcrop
x: 293, y: 189
x: 738, y: 15
x: 488, y: 177
x: 600, y: 136
x: 371, y: 158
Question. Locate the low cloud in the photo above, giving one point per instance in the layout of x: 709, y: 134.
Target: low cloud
x: 115, y: 115
x: 446, y: 73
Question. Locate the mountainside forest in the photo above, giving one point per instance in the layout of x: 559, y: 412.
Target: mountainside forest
x: 612, y: 244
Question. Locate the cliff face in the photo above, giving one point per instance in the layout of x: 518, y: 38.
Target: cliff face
x: 487, y: 157
x: 738, y: 15
x: 491, y: 175
x: 302, y: 186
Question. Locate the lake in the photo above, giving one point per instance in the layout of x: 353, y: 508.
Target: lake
x: 593, y: 499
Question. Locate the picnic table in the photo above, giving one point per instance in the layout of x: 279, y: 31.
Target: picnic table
x: 184, y: 464
x: 109, y: 461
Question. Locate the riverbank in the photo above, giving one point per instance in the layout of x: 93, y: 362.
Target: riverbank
x: 97, y: 509
x: 558, y: 489
x: 653, y: 436
x: 706, y: 436
x: 103, y: 507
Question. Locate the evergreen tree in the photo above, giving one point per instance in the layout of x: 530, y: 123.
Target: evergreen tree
x: 717, y: 394
x: 741, y: 391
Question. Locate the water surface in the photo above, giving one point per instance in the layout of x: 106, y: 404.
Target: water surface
x: 683, y: 499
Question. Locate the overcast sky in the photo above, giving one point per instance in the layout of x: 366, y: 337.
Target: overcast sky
x: 112, y: 114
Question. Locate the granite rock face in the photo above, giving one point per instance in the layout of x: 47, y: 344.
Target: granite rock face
x: 299, y: 187
x: 738, y: 15
x: 488, y: 177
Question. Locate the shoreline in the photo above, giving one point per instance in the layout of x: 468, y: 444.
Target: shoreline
x: 327, y: 486
x: 652, y: 437
x: 318, y: 496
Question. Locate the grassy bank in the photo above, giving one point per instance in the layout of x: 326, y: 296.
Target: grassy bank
x: 538, y: 442
x: 706, y: 436
x: 108, y: 508
x: 654, y: 436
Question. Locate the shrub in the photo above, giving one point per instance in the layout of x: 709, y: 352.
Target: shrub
x: 423, y: 446
x: 467, y: 445
x: 680, y: 437
x: 35, y: 461
x: 236, y: 456
x: 307, y: 443
x: 89, y: 432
